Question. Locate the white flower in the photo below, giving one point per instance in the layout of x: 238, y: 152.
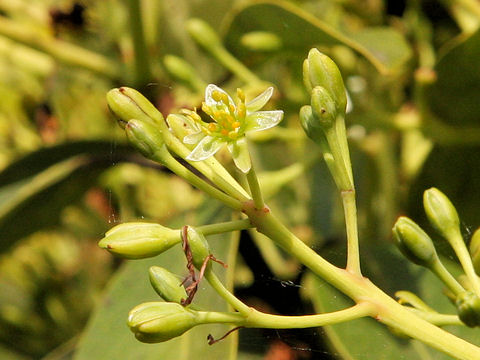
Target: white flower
x: 231, y: 121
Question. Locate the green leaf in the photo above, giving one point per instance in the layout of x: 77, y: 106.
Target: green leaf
x: 454, y: 96
x: 385, y: 48
x: 51, y: 177
x: 107, y: 335
x: 366, y: 338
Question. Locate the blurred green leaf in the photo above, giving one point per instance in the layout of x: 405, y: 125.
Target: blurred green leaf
x: 366, y: 338
x: 107, y: 335
x: 454, y: 96
x: 34, y: 189
x: 384, y: 47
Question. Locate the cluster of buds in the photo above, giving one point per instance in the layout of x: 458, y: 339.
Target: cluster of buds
x: 419, y: 248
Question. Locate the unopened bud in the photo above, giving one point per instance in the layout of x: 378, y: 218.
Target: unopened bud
x: 323, y: 107
x: 413, y: 242
x: 182, y: 70
x: 156, y: 322
x: 167, y: 285
x: 310, y: 124
x: 199, y: 247
x: 441, y: 213
x: 127, y: 103
x: 138, y: 240
x: 320, y: 70
x: 203, y: 33
x: 261, y: 41
x: 475, y: 250
x: 145, y: 136
x: 468, y: 307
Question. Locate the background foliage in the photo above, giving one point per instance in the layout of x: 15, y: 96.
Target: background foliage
x: 411, y: 69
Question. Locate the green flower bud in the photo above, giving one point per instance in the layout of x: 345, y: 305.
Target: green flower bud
x: 136, y: 240
x: 199, y: 247
x: 320, y: 70
x: 413, y: 242
x: 310, y: 124
x: 167, y: 284
x: 475, y: 250
x: 468, y: 307
x: 183, y: 71
x: 261, y: 41
x: 127, y: 103
x: 203, y: 33
x: 155, y: 322
x: 145, y: 136
x: 440, y: 212
x: 181, y: 126
x: 323, y: 107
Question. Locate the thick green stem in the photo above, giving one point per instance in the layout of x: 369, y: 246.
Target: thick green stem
x: 141, y: 62
x: 60, y: 50
x: 353, y: 252
x: 443, y: 274
x: 436, y: 318
x: 225, y: 227
x: 360, y: 289
x: 458, y: 244
x: 255, y: 188
x: 231, y: 299
x: 164, y: 157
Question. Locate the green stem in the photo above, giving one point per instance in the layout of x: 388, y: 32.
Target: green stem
x: 231, y: 299
x: 360, y: 289
x: 164, y: 157
x: 463, y: 255
x: 225, y: 227
x: 255, y: 188
x: 436, y: 318
x: 142, y: 64
x: 353, y: 252
x: 60, y: 50
x: 443, y: 274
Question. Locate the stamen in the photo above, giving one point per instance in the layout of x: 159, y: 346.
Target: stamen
x: 212, y: 127
x: 217, y: 95
x: 241, y: 95
x: 236, y: 125
x: 224, y: 132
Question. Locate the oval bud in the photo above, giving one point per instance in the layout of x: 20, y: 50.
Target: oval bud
x: 181, y: 126
x: 182, y: 70
x: 261, y: 41
x: 468, y: 307
x: 127, y: 103
x: 475, y: 250
x: 203, y: 33
x: 440, y: 212
x: 155, y: 322
x: 199, y: 247
x: 310, y: 124
x: 138, y: 240
x: 167, y: 284
x: 323, y: 107
x: 413, y: 242
x: 145, y: 136
x: 320, y: 70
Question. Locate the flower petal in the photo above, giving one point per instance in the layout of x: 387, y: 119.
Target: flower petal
x: 194, y: 138
x: 240, y: 154
x: 260, y: 100
x: 208, y: 95
x: 207, y: 147
x: 262, y: 120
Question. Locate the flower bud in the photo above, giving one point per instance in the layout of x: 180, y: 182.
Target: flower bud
x: 440, y: 212
x: 183, y: 71
x: 199, y: 247
x: 203, y: 33
x: 310, y: 124
x: 155, y: 322
x: 136, y: 240
x: 323, y: 107
x: 167, y: 284
x: 320, y: 70
x: 468, y: 307
x: 145, y: 136
x: 181, y: 126
x: 127, y: 103
x: 475, y: 250
x: 261, y: 41
x: 413, y: 242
